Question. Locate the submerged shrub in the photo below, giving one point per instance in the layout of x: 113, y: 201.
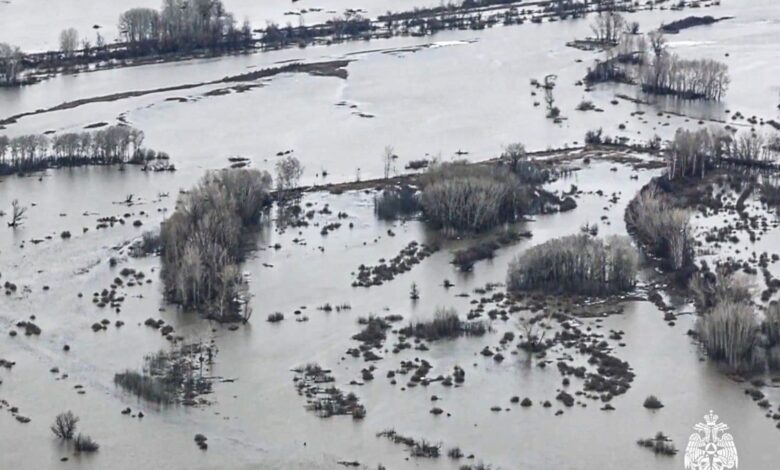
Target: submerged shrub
x: 577, y: 264
x: 445, y: 324
x: 85, y: 444
x: 397, y: 202
x: 730, y: 334
x: 660, y: 444
x: 472, y: 198
x: 653, y: 403
x: 170, y: 376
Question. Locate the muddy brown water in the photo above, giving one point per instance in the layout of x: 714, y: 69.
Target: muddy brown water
x: 472, y: 96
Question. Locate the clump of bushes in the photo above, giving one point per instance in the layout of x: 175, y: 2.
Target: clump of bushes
x: 275, y: 317
x: 577, y: 264
x: 175, y: 376
x: 373, y: 331
x: 464, y: 259
x: 85, y: 444
x: 660, y: 444
x: 202, y: 242
x: 662, y: 229
x: 458, y: 197
x: 397, y: 202
x: 421, y: 448
x: 445, y: 325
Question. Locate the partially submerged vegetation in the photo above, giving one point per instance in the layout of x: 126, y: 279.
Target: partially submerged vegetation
x: 445, y: 325
x: 634, y: 58
x: 660, y: 444
x: 459, y: 197
x: 325, y: 400
x: 662, y: 229
x: 178, y: 376
x: 577, y: 264
x: 203, y: 242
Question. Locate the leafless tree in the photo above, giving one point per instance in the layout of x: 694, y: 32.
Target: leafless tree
x: 288, y: 175
x: 69, y: 40
x: 388, y: 158
x: 657, y: 42
x: 17, y: 214
x: 515, y: 154
x: 608, y: 27
x: 65, y: 425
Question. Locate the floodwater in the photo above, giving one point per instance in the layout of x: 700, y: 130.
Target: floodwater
x: 471, y: 93
x: 460, y: 90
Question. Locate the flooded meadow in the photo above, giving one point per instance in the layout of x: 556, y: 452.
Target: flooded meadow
x: 102, y: 308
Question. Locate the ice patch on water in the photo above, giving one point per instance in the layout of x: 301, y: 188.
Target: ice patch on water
x: 438, y: 44
x: 675, y: 44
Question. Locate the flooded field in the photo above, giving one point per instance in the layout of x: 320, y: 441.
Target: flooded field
x: 459, y: 94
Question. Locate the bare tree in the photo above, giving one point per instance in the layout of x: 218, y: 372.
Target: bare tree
x: 388, y: 157
x: 657, y: 42
x: 534, y: 330
x: 65, y: 425
x: 514, y: 154
x: 607, y: 27
x: 17, y: 214
x: 69, y: 40
x: 288, y: 175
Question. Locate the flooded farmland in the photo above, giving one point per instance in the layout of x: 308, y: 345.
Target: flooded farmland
x: 531, y: 379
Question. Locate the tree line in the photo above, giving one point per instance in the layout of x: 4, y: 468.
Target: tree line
x: 111, y: 145
x: 183, y: 25
x: 694, y: 153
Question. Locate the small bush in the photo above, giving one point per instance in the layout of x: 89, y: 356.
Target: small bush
x: 660, y: 444
x: 455, y: 453
x: 653, y: 403
x: 85, y: 444
x: 577, y: 264
x: 275, y: 317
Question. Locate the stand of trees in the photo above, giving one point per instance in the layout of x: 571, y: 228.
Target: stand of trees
x: 577, y: 264
x: 668, y: 74
x: 111, y: 145
x: 461, y: 197
x: 694, y: 153
x: 10, y: 64
x: 183, y: 25
x: 657, y: 71
x: 664, y: 231
x: 202, y: 243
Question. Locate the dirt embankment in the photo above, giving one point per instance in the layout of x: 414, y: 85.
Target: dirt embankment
x: 334, y: 68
